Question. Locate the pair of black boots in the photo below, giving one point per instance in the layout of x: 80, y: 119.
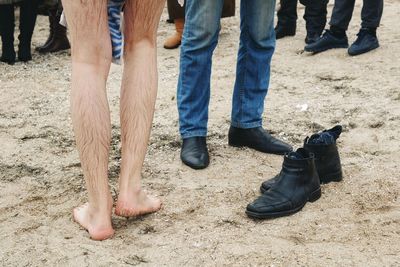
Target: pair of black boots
x: 299, y: 180
x: 28, y: 14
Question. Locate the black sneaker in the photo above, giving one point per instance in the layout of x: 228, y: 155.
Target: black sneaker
x: 327, y: 41
x: 366, y: 41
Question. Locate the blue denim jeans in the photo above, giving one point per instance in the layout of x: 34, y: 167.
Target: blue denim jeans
x: 200, y: 37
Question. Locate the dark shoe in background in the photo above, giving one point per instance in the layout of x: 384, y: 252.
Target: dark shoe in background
x: 8, y: 53
x: 285, y: 30
x: 366, y: 41
x: 327, y: 159
x: 327, y: 41
x: 297, y: 185
x: 258, y: 139
x: 52, y: 14
x: 194, y: 152
x: 59, y: 40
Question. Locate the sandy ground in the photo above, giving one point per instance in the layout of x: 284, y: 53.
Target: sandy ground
x: 355, y: 223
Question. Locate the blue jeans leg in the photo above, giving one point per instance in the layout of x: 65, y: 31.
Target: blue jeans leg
x: 257, y: 45
x: 200, y: 37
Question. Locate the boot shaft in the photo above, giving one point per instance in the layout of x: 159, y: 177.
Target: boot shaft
x: 327, y: 159
x: 299, y: 168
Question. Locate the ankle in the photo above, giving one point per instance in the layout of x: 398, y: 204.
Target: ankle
x: 338, y: 32
x: 371, y: 30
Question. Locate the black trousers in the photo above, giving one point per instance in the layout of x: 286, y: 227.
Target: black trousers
x: 371, y: 13
x: 314, y: 15
x: 27, y: 20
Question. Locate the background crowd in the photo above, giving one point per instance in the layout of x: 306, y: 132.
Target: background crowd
x: 317, y: 40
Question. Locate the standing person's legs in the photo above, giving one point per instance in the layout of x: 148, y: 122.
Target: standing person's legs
x: 91, y: 59
x: 200, y: 38
x: 27, y: 22
x: 336, y: 36
x: 341, y: 15
x: 257, y: 45
x: 371, y: 13
x: 7, y: 33
x: 287, y: 18
x: 138, y: 95
x: 315, y: 16
x: 287, y: 13
x: 367, y: 40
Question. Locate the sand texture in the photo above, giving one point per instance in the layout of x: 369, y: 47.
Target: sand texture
x: 202, y: 222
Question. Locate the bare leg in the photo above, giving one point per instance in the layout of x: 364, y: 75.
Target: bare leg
x: 138, y: 94
x: 91, y: 59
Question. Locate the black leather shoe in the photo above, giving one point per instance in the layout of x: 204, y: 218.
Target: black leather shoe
x: 366, y: 41
x: 297, y: 185
x: 194, y: 152
x: 327, y: 159
x: 285, y: 30
x: 258, y: 139
x: 327, y: 41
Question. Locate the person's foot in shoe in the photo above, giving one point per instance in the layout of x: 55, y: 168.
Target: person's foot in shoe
x: 8, y: 58
x: 284, y: 30
x: 328, y: 40
x: 8, y: 54
x: 366, y: 41
x: 312, y: 37
x: 298, y: 184
x: 24, y: 53
x: 258, y: 139
x: 194, y: 152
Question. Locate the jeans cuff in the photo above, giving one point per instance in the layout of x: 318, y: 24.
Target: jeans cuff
x: 246, y: 125
x: 194, y: 134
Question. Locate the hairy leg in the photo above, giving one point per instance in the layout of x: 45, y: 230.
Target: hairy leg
x: 91, y: 59
x: 138, y: 94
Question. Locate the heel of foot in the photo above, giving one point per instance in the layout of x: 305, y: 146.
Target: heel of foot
x: 102, y: 234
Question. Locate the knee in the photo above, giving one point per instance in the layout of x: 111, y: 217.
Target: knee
x: 93, y: 52
x: 201, y: 35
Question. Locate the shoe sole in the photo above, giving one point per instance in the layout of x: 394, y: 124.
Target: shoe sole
x: 315, y: 51
x: 172, y: 47
x: 195, y: 167
x: 286, y: 35
x: 314, y: 196
x: 268, y: 152
x: 363, y: 51
x: 331, y: 177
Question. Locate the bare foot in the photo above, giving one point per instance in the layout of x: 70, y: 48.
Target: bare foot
x: 96, y: 223
x: 130, y: 205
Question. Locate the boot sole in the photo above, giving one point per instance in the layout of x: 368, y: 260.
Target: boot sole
x: 315, y: 51
x: 363, y: 51
x: 332, y: 177
x: 172, y: 47
x: 314, y: 196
